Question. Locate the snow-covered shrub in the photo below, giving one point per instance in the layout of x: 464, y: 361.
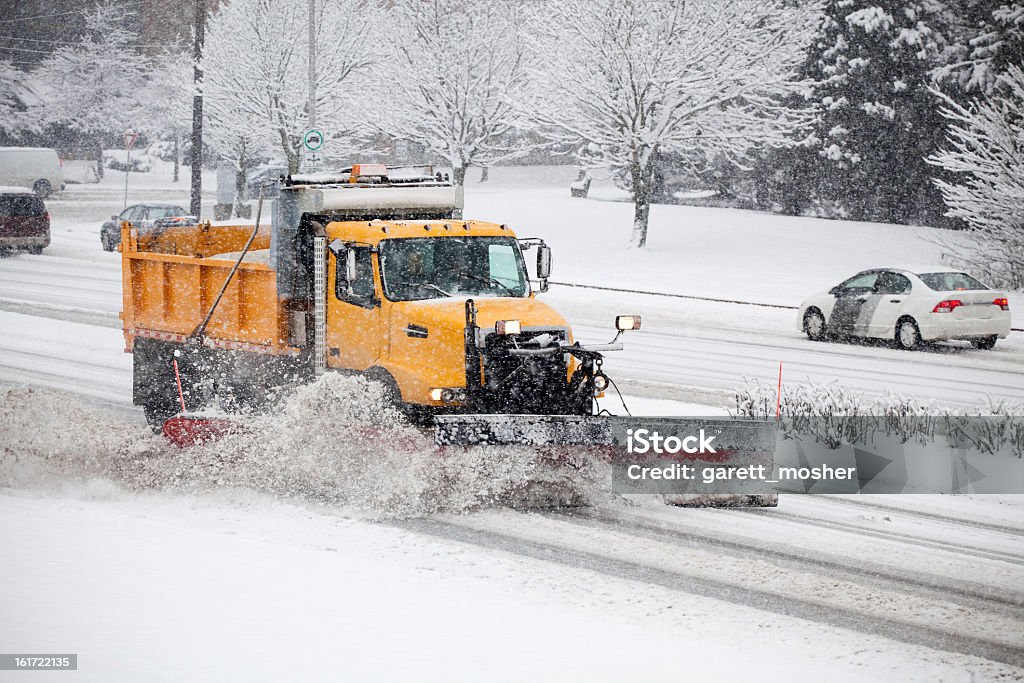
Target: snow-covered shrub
x: 835, y: 415
x: 116, y: 161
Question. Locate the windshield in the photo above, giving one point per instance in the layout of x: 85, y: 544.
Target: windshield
x: 949, y: 282
x: 21, y: 205
x: 438, y: 267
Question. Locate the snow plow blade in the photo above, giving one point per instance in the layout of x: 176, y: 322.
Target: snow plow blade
x: 740, y: 444
x: 192, y: 430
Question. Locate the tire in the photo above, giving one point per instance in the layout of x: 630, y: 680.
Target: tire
x: 908, y: 334
x: 392, y: 395
x: 105, y: 241
x: 42, y: 188
x: 157, y: 414
x: 814, y: 325
x: 985, y: 343
x: 35, y: 251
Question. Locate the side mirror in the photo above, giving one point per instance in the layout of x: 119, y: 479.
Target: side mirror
x: 543, y: 262
x: 350, y: 268
x: 115, y: 218
x: 835, y: 290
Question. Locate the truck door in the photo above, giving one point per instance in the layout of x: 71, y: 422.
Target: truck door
x: 353, y: 318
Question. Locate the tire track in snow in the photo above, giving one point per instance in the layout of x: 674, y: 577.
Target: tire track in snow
x: 968, y: 594
x: 931, y: 516
x: 599, y: 561
x: 863, y: 530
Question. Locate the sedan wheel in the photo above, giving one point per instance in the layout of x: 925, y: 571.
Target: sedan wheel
x: 908, y: 336
x: 814, y: 325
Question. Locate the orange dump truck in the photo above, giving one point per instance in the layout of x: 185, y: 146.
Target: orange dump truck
x: 372, y: 271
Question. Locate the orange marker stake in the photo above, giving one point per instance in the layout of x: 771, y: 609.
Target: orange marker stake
x: 181, y: 396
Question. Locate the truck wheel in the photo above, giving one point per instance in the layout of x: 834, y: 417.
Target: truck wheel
x: 157, y: 414
x: 392, y: 396
x: 42, y: 188
x: 35, y: 250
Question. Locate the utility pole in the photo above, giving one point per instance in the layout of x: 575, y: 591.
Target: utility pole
x: 197, y: 111
x: 312, y: 64
x: 306, y: 162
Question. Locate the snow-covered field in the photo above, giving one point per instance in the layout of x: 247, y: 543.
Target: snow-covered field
x: 279, y: 558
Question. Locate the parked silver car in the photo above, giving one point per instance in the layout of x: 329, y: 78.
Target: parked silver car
x: 142, y: 216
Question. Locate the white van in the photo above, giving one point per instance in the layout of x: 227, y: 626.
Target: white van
x: 38, y: 168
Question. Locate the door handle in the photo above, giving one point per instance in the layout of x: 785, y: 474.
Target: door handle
x: 895, y: 301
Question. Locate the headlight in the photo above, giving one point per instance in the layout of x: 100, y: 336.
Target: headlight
x: 508, y: 327
x: 600, y: 382
x: 448, y: 395
x: 627, y: 322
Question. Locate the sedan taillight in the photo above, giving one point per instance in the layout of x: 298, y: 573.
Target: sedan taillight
x: 947, y: 306
x: 1002, y: 303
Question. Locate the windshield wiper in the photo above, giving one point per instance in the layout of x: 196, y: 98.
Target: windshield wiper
x: 425, y: 284
x: 488, y: 281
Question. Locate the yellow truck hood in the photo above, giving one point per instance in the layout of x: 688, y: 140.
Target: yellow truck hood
x: 451, y: 312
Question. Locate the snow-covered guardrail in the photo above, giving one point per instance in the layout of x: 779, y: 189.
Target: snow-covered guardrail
x: 689, y: 296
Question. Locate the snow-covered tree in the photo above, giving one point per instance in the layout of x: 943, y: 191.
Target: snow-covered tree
x: 11, y: 113
x: 637, y: 77
x: 985, y: 153
x: 166, y: 102
x: 92, y: 87
x: 983, y: 54
x: 875, y: 61
x: 256, y: 69
x: 453, y: 73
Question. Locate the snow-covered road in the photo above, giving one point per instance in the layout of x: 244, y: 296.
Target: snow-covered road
x: 689, y: 345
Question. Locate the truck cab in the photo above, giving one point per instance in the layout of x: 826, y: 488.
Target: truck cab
x: 400, y: 296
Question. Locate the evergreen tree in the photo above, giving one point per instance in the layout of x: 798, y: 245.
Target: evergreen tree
x: 879, y: 120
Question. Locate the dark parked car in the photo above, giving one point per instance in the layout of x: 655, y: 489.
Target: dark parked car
x: 142, y: 216
x: 24, y: 221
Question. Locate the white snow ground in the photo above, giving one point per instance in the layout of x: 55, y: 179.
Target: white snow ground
x: 195, y: 581
x: 238, y: 587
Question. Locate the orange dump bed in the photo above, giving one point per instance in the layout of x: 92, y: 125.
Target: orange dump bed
x: 171, y: 280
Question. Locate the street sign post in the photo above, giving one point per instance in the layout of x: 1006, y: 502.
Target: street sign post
x: 312, y: 144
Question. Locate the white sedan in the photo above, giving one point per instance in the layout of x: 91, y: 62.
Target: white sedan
x: 909, y: 305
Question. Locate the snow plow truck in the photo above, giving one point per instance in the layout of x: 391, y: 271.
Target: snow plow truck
x: 371, y: 270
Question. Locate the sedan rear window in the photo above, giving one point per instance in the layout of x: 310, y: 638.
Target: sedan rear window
x: 950, y: 282
x: 21, y: 205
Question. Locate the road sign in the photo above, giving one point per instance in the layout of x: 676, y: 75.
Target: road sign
x: 129, y: 140
x: 313, y: 140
